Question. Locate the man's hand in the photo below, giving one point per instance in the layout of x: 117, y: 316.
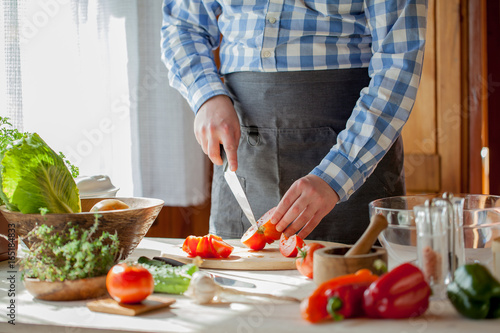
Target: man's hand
x: 305, y: 203
x: 217, y: 123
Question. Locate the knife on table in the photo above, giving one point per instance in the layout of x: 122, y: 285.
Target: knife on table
x: 235, y: 186
x: 222, y: 280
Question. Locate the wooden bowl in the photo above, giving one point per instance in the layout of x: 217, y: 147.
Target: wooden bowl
x: 330, y: 262
x: 67, y: 290
x: 130, y: 224
x: 8, y: 245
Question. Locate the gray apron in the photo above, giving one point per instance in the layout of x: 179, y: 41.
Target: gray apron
x: 289, y: 121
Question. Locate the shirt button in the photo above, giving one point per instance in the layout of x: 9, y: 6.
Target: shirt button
x: 272, y: 20
x: 266, y: 54
x: 350, y: 192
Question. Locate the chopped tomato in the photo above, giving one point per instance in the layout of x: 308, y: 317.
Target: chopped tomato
x: 129, y: 284
x: 215, y: 236
x: 190, y: 244
x: 304, y: 262
x: 208, y: 246
x: 213, y: 252
x: 254, y: 238
x: 221, y: 248
x: 269, y: 228
x: 204, y: 248
x: 185, y: 246
x: 289, y: 245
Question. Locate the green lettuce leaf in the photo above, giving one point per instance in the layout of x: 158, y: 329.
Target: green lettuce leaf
x: 8, y: 134
x: 34, y: 177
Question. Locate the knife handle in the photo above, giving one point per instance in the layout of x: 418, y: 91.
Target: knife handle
x: 169, y: 261
x: 225, y: 163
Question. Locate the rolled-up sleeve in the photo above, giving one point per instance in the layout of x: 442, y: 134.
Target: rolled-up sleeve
x: 189, y: 36
x: 398, y: 37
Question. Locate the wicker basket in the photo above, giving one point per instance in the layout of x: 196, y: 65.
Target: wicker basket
x: 130, y: 224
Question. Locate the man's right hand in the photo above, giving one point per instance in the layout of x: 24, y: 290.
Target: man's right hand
x: 216, y: 123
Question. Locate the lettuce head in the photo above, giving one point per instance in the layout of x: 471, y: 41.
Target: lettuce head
x: 33, y: 178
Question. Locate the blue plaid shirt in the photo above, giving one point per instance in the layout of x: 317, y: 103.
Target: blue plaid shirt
x: 387, y: 36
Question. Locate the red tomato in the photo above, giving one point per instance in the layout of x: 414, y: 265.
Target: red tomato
x: 221, y: 248
x: 254, y: 238
x: 129, y: 283
x: 304, y: 262
x: 215, y: 236
x: 190, y: 244
x: 288, y: 246
x: 269, y: 229
x: 208, y: 246
x: 204, y: 248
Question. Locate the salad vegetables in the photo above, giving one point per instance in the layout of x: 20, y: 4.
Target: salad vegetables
x: 475, y: 292
x: 33, y: 178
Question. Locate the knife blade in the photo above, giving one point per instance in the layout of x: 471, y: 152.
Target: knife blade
x: 222, y: 280
x: 235, y: 186
x: 225, y: 281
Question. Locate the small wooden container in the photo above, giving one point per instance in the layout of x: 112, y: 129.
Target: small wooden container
x: 8, y: 240
x: 68, y: 290
x: 330, y: 262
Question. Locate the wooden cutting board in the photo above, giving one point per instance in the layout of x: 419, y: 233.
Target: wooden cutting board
x: 108, y: 305
x: 242, y: 258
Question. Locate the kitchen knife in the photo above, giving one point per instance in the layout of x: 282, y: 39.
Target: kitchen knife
x: 235, y: 186
x: 225, y: 281
x: 222, y: 280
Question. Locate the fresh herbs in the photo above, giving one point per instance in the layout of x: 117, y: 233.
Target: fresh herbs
x: 33, y: 176
x: 69, y: 255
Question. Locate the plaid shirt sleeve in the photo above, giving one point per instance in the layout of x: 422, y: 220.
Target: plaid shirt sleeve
x: 189, y: 36
x: 398, y: 37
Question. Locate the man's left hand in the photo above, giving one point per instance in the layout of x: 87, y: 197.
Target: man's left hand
x: 305, y: 203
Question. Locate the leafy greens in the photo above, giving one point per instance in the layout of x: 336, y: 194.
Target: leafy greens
x: 33, y: 178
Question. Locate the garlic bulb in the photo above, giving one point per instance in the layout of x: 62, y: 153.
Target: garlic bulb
x: 202, y: 289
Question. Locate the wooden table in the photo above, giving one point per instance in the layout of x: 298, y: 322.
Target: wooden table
x: 33, y: 315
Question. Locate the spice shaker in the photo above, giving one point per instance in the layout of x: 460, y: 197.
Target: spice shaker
x: 455, y: 229
x: 432, y: 246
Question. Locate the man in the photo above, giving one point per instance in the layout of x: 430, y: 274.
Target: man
x: 314, y: 99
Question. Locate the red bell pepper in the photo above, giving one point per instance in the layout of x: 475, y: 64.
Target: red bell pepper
x: 346, y: 288
x: 400, y: 293
x: 346, y: 301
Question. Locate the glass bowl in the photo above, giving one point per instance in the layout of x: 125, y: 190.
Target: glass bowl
x: 481, y: 224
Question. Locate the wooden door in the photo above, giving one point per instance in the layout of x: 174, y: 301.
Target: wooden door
x: 433, y: 136
x: 492, y: 86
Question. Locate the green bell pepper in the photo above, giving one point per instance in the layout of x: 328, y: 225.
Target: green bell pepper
x: 475, y: 293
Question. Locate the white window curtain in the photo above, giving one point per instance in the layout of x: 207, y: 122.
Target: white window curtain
x: 87, y: 76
